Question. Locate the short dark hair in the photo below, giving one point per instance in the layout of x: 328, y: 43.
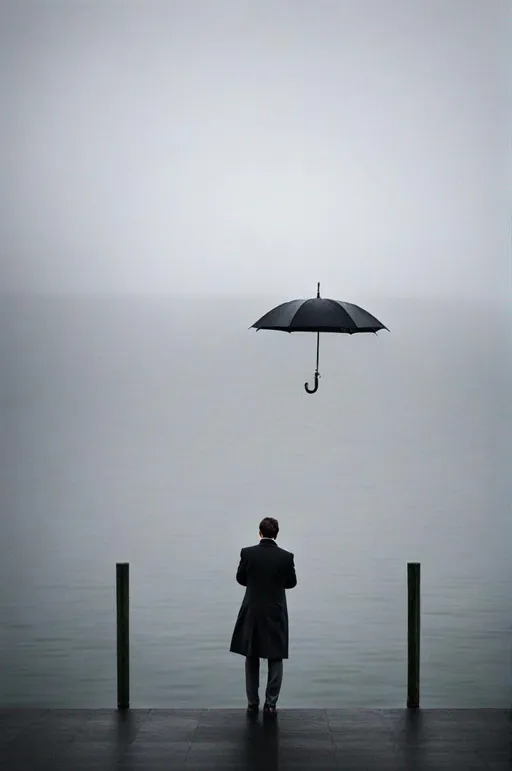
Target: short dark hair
x: 269, y: 527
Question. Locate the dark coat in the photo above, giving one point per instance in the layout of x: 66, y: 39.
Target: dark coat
x: 261, y: 628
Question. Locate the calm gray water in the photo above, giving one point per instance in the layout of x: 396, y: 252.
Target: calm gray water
x: 160, y: 431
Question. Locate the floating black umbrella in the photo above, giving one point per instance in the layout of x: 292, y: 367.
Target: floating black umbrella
x: 318, y: 314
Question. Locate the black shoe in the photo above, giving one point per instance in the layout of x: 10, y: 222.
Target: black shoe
x: 252, y: 709
x: 270, y: 711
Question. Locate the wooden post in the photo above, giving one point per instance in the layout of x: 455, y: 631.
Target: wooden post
x: 413, y: 635
x: 123, y: 634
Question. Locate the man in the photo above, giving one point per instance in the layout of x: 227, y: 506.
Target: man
x: 261, y: 629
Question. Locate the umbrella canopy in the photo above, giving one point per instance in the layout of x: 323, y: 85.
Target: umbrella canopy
x: 319, y: 314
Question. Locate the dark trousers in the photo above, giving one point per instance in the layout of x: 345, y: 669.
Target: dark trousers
x: 252, y: 680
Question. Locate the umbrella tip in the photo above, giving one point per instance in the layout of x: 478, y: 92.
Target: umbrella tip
x: 318, y: 289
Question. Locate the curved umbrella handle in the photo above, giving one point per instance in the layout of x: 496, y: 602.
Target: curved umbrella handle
x: 315, y: 387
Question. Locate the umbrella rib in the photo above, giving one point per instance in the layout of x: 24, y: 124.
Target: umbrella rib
x: 337, y: 304
x: 298, y: 309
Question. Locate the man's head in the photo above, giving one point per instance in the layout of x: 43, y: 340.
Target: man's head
x: 269, y: 527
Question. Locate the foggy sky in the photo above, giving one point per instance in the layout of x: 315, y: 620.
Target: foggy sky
x: 217, y: 146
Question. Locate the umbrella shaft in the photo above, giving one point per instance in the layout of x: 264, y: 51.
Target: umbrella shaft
x: 317, y: 349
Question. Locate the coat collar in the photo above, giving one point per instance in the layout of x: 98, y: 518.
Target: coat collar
x: 267, y: 542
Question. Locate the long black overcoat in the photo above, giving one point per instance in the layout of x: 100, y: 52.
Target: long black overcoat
x: 261, y: 628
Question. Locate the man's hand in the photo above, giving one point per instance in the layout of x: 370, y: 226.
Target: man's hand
x: 241, y: 573
x: 291, y: 577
